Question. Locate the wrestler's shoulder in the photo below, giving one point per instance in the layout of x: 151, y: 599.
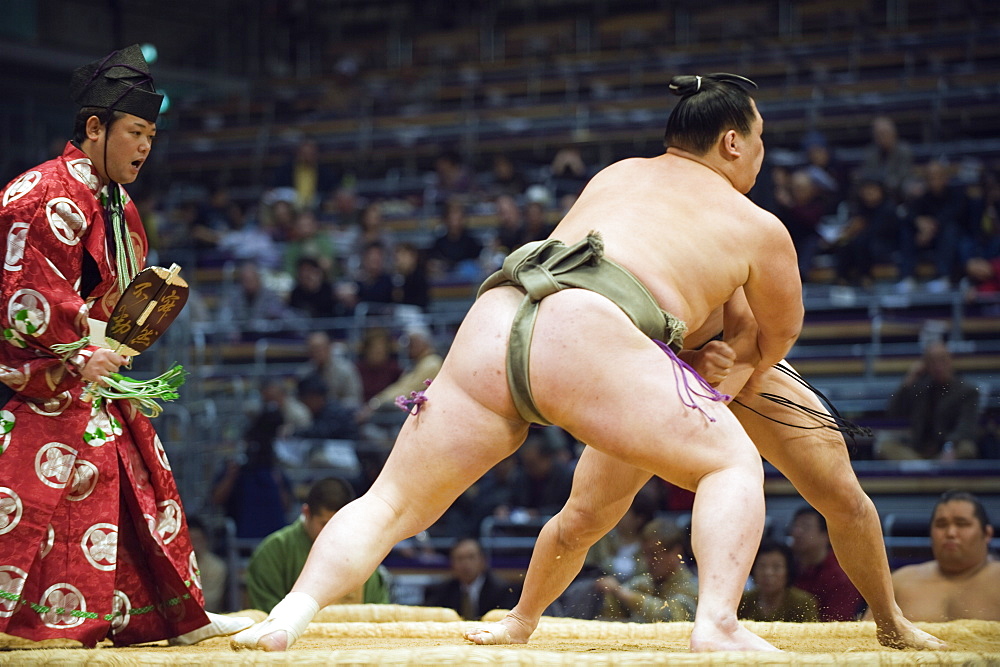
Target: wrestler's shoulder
x: 918, y: 572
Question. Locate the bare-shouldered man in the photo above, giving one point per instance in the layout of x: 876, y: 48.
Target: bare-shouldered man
x: 580, y: 331
x: 962, y: 581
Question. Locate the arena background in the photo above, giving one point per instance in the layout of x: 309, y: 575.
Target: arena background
x: 386, y: 87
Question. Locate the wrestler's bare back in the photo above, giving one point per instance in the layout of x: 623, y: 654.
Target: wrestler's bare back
x: 684, y: 231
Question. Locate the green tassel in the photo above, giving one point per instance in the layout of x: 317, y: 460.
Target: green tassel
x: 144, y: 393
x: 67, y: 350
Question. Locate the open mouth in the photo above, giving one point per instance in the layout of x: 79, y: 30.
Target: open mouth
x: 137, y: 163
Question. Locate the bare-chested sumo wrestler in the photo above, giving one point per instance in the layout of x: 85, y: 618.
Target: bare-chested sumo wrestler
x: 802, y: 447
x: 652, y: 246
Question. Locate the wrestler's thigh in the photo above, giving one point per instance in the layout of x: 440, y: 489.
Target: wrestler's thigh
x: 814, y: 460
x: 593, y: 373
x: 468, y: 423
x: 603, y: 490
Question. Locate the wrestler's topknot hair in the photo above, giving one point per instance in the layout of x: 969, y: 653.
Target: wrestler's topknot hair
x: 709, y: 105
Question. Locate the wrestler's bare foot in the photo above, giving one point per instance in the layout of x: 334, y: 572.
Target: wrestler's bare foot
x: 511, y: 629
x: 728, y: 635
x: 903, y: 634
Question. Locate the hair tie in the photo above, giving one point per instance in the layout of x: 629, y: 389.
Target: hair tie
x: 698, y: 87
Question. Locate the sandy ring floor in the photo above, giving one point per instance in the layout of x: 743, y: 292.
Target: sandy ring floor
x: 384, y: 641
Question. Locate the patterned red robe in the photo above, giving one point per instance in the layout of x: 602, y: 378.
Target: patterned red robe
x: 93, y: 541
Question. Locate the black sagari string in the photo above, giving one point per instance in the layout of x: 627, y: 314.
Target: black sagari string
x: 831, y: 420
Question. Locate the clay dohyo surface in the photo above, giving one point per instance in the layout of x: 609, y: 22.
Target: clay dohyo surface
x: 556, y: 642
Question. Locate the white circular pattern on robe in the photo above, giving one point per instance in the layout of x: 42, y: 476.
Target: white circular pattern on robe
x: 61, y: 599
x: 66, y: 219
x: 22, y: 186
x: 121, y: 607
x: 168, y: 520
x: 161, y: 453
x: 82, y: 170
x: 28, y: 311
x: 52, y: 407
x: 193, y: 570
x: 54, y: 464
x: 15, y: 246
x: 11, y: 509
x: 84, y: 481
x: 102, y: 427
x: 50, y: 539
x: 100, y: 546
x: 12, y: 583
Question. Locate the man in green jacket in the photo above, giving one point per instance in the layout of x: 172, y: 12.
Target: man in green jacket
x: 277, y: 561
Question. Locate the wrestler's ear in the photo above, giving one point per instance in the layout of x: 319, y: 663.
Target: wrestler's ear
x: 730, y: 145
x: 94, y: 128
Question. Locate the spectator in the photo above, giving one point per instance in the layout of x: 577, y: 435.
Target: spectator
x: 451, y: 179
x: 472, y: 589
x: 376, y: 364
x: 308, y: 239
x: 824, y: 169
x: 963, y: 580
x: 536, y: 222
x: 371, y: 230
x: 328, y: 362
x: 455, y: 249
x: 244, y: 240
x: 506, y: 179
x: 870, y: 236
x: 255, y: 493
x: 278, y: 217
x: 983, y: 234
x: 933, y: 228
x: 569, y: 172
x: 819, y: 573
x: 278, y: 560
x: 330, y: 418
x: 543, y: 481
x: 312, y: 293
x: 425, y: 363
x: 510, y: 224
x: 887, y: 157
x: 248, y: 303
x: 801, y: 208
x: 411, y: 285
x: 374, y: 284
x: 305, y: 175
x: 667, y: 591
x: 275, y: 395
x: 773, y: 598
x: 212, y: 570
x: 940, y: 410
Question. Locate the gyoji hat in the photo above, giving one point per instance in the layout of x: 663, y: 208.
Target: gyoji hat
x: 119, y: 81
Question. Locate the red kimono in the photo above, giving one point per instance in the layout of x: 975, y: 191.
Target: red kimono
x: 93, y: 541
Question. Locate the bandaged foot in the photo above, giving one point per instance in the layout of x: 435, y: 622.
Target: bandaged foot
x: 494, y: 633
x: 511, y: 629
x: 219, y: 626
x: 282, y: 627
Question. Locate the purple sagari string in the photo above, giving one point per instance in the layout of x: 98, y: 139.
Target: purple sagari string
x: 688, y: 393
x: 412, y: 402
